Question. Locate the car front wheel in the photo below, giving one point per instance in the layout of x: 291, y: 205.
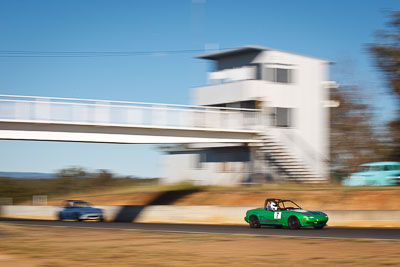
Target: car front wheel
x: 78, y: 217
x: 294, y: 223
x: 254, y: 222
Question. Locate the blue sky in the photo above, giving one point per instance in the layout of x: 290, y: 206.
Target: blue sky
x: 336, y: 30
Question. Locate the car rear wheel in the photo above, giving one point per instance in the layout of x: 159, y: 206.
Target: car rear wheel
x: 294, y: 223
x: 254, y: 222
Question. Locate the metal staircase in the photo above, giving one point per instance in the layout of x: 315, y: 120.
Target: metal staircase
x: 285, y: 163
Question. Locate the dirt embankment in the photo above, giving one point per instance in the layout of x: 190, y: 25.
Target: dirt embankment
x: 328, y: 199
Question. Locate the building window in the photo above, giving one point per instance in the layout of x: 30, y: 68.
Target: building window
x: 199, y: 159
x: 277, y: 75
x: 283, y: 117
x: 283, y: 75
x: 250, y: 104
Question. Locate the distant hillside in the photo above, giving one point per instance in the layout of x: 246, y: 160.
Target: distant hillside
x: 28, y: 175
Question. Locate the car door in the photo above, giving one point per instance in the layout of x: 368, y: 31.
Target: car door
x: 68, y: 212
x: 270, y: 217
x: 277, y: 217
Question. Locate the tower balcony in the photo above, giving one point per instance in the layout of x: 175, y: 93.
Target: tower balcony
x: 229, y: 92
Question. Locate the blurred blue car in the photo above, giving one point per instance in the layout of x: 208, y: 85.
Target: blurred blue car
x: 79, y: 210
x: 375, y: 173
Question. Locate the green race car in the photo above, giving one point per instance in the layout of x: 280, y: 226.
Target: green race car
x: 280, y: 213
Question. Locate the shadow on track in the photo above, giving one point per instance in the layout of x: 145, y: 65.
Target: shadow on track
x: 129, y: 213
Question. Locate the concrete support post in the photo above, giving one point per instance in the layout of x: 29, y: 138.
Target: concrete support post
x: 255, y: 164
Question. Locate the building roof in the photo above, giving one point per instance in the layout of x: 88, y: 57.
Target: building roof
x: 215, y: 55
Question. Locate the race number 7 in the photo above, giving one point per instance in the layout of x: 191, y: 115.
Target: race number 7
x: 277, y: 215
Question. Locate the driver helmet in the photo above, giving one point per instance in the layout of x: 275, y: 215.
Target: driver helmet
x: 274, y: 206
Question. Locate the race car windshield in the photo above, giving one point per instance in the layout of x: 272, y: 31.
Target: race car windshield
x: 81, y: 204
x: 290, y: 205
x: 364, y: 168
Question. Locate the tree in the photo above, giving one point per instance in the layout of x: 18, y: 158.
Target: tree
x: 72, y: 172
x: 104, y: 177
x: 353, y: 139
x: 386, y: 54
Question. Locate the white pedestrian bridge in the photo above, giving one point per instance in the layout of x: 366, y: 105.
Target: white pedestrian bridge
x: 89, y: 120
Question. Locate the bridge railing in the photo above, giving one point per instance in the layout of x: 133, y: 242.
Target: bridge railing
x: 124, y: 113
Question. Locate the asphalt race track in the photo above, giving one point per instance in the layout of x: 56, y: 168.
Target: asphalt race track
x: 328, y: 232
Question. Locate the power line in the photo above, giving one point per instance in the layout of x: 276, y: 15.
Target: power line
x: 31, y: 53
